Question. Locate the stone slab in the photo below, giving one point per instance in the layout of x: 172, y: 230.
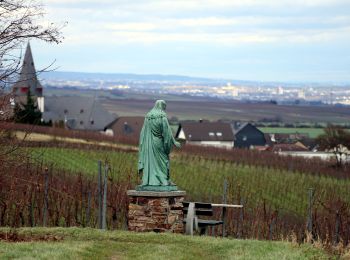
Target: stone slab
x: 164, y: 194
x: 156, y: 188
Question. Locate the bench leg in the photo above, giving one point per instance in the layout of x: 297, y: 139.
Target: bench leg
x: 190, y: 220
x: 203, y: 231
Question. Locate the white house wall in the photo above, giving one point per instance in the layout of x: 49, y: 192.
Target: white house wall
x: 221, y: 144
x: 182, y: 135
x: 109, y: 132
x: 41, y: 104
x: 321, y: 155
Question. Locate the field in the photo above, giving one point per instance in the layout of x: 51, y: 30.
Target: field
x: 75, y: 243
x: 312, y: 132
x: 217, y: 109
x: 194, y: 108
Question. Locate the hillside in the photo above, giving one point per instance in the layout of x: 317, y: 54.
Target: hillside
x: 75, y: 243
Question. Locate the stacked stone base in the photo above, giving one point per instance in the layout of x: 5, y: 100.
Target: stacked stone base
x: 155, y: 211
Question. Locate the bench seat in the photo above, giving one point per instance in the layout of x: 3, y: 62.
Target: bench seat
x: 207, y: 222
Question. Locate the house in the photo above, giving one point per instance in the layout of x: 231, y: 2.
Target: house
x: 126, y: 126
x: 301, y: 140
x: 268, y: 140
x: 247, y: 136
x: 301, y: 145
x: 310, y: 143
x: 297, y: 147
x: 287, y: 138
x: 218, y: 134
x: 222, y: 134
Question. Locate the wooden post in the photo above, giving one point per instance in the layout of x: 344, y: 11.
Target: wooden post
x: 271, y: 226
x: 104, y: 206
x: 240, y: 226
x: 337, y: 227
x: 99, y: 194
x: 309, y: 222
x: 224, y: 201
x: 31, y: 213
x: 46, y: 200
x: 88, y: 209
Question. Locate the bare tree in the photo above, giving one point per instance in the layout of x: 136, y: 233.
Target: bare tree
x: 20, y: 22
x: 337, y: 140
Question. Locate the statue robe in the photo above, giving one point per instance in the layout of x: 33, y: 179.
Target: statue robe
x: 156, y: 141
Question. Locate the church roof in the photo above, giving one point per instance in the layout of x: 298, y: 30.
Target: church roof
x: 28, y: 76
x: 80, y: 113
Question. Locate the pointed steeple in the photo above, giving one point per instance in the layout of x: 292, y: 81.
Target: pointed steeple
x: 27, y: 77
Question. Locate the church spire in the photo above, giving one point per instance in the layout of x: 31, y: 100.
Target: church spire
x: 27, y: 78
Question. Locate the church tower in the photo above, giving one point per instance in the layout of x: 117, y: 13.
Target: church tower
x: 28, y: 80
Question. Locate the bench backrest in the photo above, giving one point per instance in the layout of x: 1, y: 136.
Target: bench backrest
x: 202, y: 209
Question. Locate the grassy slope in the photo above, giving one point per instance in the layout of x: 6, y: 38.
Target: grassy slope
x: 94, y: 244
x: 203, y: 179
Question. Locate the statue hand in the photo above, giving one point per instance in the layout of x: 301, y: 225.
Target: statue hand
x: 177, y: 144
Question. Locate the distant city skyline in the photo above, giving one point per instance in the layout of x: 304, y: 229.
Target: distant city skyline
x: 266, y: 40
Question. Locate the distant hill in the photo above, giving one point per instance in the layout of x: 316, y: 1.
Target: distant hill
x: 66, y: 75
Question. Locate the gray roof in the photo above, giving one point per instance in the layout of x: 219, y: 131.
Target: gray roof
x: 238, y: 126
x: 28, y: 76
x: 83, y: 113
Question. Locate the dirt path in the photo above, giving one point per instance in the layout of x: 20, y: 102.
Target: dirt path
x: 35, y: 137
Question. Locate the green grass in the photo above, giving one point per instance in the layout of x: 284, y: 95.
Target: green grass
x: 94, y: 244
x: 312, y: 132
x: 203, y: 179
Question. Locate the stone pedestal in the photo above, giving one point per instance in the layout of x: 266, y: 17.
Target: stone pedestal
x: 155, y: 211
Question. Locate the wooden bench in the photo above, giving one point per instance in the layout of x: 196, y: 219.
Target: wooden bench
x: 194, y: 209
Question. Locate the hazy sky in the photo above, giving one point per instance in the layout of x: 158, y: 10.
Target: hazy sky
x: 280, y: 40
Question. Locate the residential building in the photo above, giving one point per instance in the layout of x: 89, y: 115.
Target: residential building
x: 218, y: 134
x: 247, y: 136
x: 126, y: 126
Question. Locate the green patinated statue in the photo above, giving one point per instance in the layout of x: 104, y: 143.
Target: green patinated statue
x: 156, y: 142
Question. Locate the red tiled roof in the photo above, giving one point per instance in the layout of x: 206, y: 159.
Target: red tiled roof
x: 127, y: 126
x: 287, y: 147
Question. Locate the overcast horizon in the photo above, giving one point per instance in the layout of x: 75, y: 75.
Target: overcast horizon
x: 267, y: 40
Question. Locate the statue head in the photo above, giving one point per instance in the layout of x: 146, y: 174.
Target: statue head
x: 160, y: 104
x: 158, y: 110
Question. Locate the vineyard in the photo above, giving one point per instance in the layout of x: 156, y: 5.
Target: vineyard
x: 204, y: 178
x: 55, y: 184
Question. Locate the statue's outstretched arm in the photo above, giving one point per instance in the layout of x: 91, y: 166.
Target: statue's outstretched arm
x: 169, y: 139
